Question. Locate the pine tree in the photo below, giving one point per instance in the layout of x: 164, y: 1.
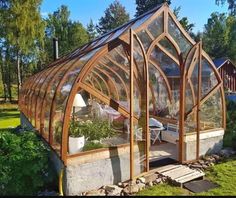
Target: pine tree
x: 231, y: 5
x: 143, y: 6
x: 115, y: 16
x: 70, y: 34
x: 91, y: 29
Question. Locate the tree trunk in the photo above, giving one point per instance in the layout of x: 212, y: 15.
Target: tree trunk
x: 8, y: 75
x: 3, y: 81
x: 18, y: 72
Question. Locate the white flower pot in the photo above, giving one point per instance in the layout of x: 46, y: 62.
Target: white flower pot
x: 76, y: 144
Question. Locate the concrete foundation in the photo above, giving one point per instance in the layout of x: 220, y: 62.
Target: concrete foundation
x: 106, y: 167
x: 210, y: 142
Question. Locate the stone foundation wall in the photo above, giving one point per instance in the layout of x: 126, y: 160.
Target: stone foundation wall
x: 210, y: 143
x: 97, y: 173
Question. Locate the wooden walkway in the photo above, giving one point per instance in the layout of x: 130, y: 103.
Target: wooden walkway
x: 179, y: 174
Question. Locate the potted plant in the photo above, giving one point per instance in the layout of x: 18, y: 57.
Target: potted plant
x: 76, y: 137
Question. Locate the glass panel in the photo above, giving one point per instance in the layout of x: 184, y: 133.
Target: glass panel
x: 168, y: 66
x: 117, y: 33
x: 98, y: 126
x: 96, y: 83
x: 118, y: 56
x: 145, y: 39
x: 172, y: 72
x: 156, y: 27
x: 209, y: 79
x: 62, y: 97
x: 103, y: 84
x: 211, y: 112
x: 165, y: 43
x: 140, y: 102
x: 189, y: 103
x: 140, y: 21
x: 159, y: 93
x: 121, y: 86
x: 179, y: 38
x: 110, y: 83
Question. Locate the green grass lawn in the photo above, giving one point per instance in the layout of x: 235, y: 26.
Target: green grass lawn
x: 224, y: 174
x: 9, y: 116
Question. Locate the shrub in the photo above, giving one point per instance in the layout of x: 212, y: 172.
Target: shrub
x: 23, y: 163
x: 230, y: 134
x: 92, y: 146
x: 92, y: 130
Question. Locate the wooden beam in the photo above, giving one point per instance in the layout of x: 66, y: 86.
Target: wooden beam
x: 131, y: 106
x: 199, y: 99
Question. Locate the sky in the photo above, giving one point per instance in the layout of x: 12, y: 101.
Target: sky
x: 197, y: 11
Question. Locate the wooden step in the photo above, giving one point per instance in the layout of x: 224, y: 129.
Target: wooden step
x: 179, y: 174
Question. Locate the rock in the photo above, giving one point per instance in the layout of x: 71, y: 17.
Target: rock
x: 158, y: 180
x: 113, y: 190
x: 141, y: 186
x: 196, y: 166
x: 216, y: 157
x: 142, y: 180
x: 201, y: 162
x: 204, y: 166
x: 150, y: 184
x: 100, y: 192
x: 150, y: 177
x: 120, y: 184
x: 131, y: 189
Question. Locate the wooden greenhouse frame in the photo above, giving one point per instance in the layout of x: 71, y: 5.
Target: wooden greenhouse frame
x: 53, y: 90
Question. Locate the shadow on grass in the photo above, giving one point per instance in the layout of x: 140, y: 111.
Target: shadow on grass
x: 9, y: 115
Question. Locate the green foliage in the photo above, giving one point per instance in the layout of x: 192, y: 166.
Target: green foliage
x: 9, y: 115
x: 23, y: 163
x: 70, y: 34
x: 143, y: 6
x: 231, y: 5
x: 92, y: 146
x: 224, y: 174
x: 115, y: 16
x: 92, y: 130
x: 230, y: 134
x: 219, y: 36
x: 162, y: 190
x: 92, y: 31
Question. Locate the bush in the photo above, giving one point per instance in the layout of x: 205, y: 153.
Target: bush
x: 92, y: 146
x: 23, y: 163
x: 92, y: 130
x: 230, y: 134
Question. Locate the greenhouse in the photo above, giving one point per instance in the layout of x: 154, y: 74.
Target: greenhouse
x: 142, y: 92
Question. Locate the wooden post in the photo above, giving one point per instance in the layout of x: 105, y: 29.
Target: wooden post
x: 199, y: 99
x: 131, y: 107
x: 181, y: 109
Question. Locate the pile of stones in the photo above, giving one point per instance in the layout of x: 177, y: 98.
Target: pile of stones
x: 208, y: 161
x: 151, y: 179
x: 128, y: 188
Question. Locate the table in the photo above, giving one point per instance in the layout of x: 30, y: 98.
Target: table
x: 156, y: 132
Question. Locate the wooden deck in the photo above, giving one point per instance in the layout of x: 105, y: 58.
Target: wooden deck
x: 180, y: 174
